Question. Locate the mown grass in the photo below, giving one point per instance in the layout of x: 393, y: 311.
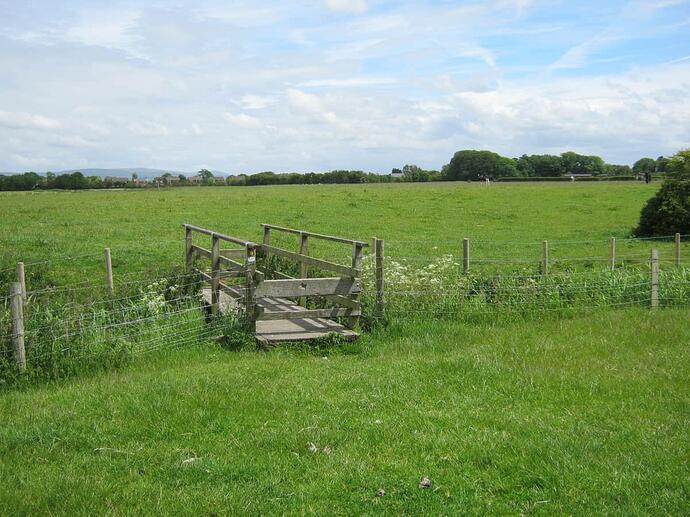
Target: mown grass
x: 588, y: 415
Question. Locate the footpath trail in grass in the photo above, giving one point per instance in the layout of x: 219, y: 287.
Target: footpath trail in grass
x: 588, y: 416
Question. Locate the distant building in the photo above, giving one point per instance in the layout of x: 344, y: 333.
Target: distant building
x: 195, y: 180
x: 167, y: 180
x: 219, y: 180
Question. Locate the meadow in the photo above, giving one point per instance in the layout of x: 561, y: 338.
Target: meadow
x: 510, y: 411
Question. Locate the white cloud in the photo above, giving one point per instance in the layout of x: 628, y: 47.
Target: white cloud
x: 350, y: 6
x: 346, y: 83
x: 309, y: 104
x: 20, y: 120
x: 243, y: 120
x: 148, y: 128
x: 256, y: 102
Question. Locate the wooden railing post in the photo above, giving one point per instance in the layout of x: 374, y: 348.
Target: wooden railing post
x: 357, y: 251
x: 379, y: 310
x: 545, y: 260
x: 18, y: 325
x: 677, y: 249
x: 249, y: 302
x: 267, y: 241
x: 215, y: 274
x: 612, y: 256
x: 465, y: 255
x: 21, y: 279
x: 188, y: 250
x: 655, y: 279
x: 303, y: 250
x: 109, y: 272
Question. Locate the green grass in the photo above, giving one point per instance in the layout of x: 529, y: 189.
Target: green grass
x: 509, y: 401
x: 587, y: 416
x: 143, y: 227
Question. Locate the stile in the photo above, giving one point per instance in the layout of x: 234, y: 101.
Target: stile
x: 357, y: 251
x: 612, y: 256
x: 18, y: 325
x: 250, y: 306
x: 654, y: 279
x: 109, y: 272
x: 677, y: 249
x: 267, y: 241
x: 545, y: 260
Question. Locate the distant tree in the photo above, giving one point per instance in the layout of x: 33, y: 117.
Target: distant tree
x: 574, y: 163
x: 470, y: 165
x: 135, y: 176
x: 617, y: 170
x: 166, y: 175
x: 397, y: 172
x: 182, y: 178
x: 668, y: 212
x: 206, y: 176
x: 644, y: 165
x: 661, y: 164
x: 413, y: 173
x: 540, y: 165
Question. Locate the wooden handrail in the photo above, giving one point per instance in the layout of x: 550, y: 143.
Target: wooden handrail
x: 221, y: 236
x: 315, y: 235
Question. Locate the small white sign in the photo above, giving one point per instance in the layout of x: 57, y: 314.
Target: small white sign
x: 251, y: 260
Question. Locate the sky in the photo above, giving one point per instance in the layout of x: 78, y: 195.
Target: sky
x: 246, y: 86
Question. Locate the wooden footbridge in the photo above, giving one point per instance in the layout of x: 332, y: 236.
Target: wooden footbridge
x: 285, y: 295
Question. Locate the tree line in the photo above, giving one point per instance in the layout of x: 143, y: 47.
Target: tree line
x: 465, y: 165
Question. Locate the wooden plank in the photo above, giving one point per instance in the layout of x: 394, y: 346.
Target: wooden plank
x: 203, y: 252
x: 357, y: 257
x: 233, y: 254
x: 303, y: 250
x: 465, y: 255
x: 215, y: 274
x: 189, y: 248
x: 344, y: 301
x: 378, y: 264
x: 21, y: 279
x: 282, y: 331
x: 307, y: 313
x: 677, y: 254
x: 311, y: 261
x: 654, y: 295
x: 308, y: 287
x: 316, y: 235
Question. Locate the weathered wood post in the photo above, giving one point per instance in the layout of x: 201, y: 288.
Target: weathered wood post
x: 109, y: 272
x: 465, y: 255
x: 357, y: 252
x: 545, y: 260
x: 250, y: 268
x: 677, y: 249
x: 215, y: 273
x: 188, y: 249
x: 612, y: 257
x: 655, y: 279
x: 303, y: 250
x: 379, y: 309
x: 18, y: 325
x: 21, y: 279
x: 267, y: 241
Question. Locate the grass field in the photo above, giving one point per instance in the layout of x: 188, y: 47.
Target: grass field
x: 585, y: 412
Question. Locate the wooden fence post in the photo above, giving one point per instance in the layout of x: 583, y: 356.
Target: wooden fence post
x: 655, y: 279
x: 21, y: 279
x: 303, y: 250
x: 677, y: 249
x: 18, y: 325
x: 379, y: 311
x: 267, y: 241
x: 357, y: 251
x: 250, y: 268
x: 612, y: 258
x: 215, y: 273
x: 109, y: 272
x: 188, y: 250
x: 465, y: 255
x: 545, y: 262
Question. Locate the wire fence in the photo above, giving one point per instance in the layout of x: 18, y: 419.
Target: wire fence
x: 77, y: 324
